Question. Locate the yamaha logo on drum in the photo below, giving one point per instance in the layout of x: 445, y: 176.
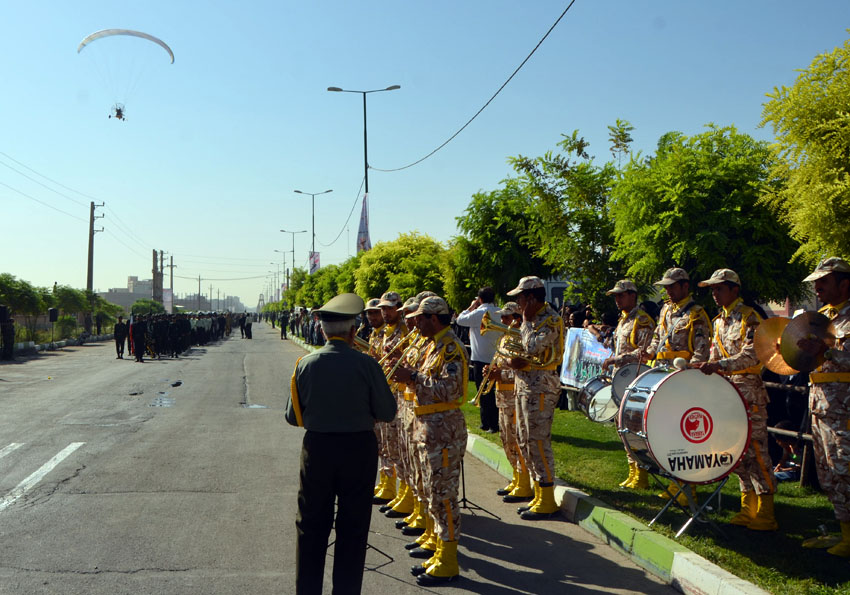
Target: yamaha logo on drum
x: 700, y: 461
x: 696, y: 425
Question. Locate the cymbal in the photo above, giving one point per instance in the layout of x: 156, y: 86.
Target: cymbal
x: 808, y: 325
x: 766, y: 342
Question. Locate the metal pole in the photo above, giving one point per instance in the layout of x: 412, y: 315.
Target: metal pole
x: 365, y: 147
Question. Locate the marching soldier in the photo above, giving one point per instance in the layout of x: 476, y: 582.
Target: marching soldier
x: 119, y: 332
x: 385, y: 490
x: 683, y: 330
x: 733, y: 354
x: 829, y: 397
x: 439, y: 386
x: 519, y: 489
x: 537, y: 391
x: 631, y: 338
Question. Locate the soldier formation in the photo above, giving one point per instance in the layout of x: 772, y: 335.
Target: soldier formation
x: 168, y: 335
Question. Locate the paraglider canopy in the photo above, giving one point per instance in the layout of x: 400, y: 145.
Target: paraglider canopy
x: 130, y: 32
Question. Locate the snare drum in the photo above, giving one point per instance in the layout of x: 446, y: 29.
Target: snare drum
x: 684, y: 424
x: 593, y: 394
x: 623, y: 377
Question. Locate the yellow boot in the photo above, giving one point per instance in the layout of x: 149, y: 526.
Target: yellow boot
x: 382, y: 480
x: 765, y: 521
x: 426, y: 536
x: 632, y: 470
x: 387, y: 492
x: 641, y: 479
x: 404, y: 503
x: 508, y: 488
x: 421, y: 568
x: 522, y: 491
x: 682, y: 499
x: 842, y: 548
x: 546, y: 506
x: 416, y: 521
x: 534, y: 501
x: 399, y: 495
x: 445, y: 569
x: 749, y: 507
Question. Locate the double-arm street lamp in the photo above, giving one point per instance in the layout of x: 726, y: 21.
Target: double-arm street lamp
x: 313, y: 196
x: 293, y: 249
x: 365, y: 145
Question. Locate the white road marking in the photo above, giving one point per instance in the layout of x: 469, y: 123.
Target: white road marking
x: 31, y: 481
x: 11, y: 448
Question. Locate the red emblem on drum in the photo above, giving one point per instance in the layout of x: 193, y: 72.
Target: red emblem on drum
x: 696, y: 425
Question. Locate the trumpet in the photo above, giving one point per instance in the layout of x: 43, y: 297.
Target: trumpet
x: 512, y: 347
x: 361, y: 345
x: 388, y: 372
x: 486, y: 386
x: 402, y: 343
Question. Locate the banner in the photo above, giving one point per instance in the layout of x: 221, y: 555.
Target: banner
x: 363, y: 241
x: 583, y: 357
x: 168, y: 300
x: 314, y: 262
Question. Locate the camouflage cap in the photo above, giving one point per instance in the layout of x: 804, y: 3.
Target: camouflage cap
x: 622, y: 286
x: 372, y: 304
x: 827, y: 266
x: 344, y: 306
x: 410, y: 304
x: 423, y: 294
x: 391, y: 299
x: 672, y: 276
x: 509, y: 309
x: 721, y: 276
x: 432, y: 305
x: 530, y: 282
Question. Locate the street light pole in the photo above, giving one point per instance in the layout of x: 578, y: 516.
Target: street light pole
x: 365, y: 144
x: 293, y: 249
x: 313, y: 198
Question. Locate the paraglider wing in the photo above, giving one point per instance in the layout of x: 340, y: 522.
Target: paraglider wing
x: 109, y: 32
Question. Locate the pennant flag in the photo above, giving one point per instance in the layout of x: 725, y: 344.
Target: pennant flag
x: 363, y: 241
x: 314, y: 262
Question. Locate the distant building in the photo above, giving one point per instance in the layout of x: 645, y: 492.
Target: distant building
x: 143, y: 289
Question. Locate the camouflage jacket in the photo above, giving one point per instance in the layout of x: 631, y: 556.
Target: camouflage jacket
x: 689, y: 338
x: 542, y: 337
x: 831, y: 394
x: 632, y: 337
x: 732, y: 342
x: 440, y: 384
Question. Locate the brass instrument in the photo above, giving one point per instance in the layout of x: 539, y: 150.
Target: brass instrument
x: 486, y: 386
x: 361, y: 345
x: 404, y: 340
x: 512, y: 347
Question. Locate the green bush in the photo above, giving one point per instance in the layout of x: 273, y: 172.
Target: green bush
x: 65, y: 327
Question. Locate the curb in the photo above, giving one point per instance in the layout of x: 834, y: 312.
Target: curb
x: 665, y: 558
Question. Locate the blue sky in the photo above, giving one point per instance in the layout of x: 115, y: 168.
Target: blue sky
x: 214, y: 144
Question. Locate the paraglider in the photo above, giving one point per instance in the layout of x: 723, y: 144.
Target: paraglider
x: 116, y: 66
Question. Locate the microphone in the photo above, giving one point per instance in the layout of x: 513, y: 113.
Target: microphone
x: 680, y: 363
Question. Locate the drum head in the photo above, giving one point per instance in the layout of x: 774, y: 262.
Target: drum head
x: 623, y: 377
x: 602, y: 407
x: 696, y: 426
x: 598, y: 385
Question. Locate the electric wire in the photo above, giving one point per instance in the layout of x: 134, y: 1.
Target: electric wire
x: 42, y: 184
x: 499, y: 90
x: 41, y: 202
x: 344, y: 225
x: 46, y: 178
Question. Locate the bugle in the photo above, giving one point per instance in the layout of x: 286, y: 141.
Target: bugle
x: 487, y: 385
x: 512, y: 348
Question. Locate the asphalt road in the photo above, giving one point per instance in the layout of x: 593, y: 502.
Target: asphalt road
x: 180, y: 477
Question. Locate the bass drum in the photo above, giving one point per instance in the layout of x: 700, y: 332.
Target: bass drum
x: 623, y: 377
x: 594, y: 396
x: 684, y: 424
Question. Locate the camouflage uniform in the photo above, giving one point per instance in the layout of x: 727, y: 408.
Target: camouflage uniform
x: 732, y: 348
x: 393, y: 334
x: 376, y: 341
x: 506, y: 403
x: 440, y: 428
x: 689, y: 338
x: 829, y: 400
x: 537, y: 391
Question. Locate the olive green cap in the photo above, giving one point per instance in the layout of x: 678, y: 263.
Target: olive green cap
x: 341, y: 307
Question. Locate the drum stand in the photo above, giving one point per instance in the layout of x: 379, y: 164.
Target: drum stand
x: 468, y: 504
x: 695, y: 511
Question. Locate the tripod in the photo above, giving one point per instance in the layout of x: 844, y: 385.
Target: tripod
x: 369, y: 546
x: 466, y: 503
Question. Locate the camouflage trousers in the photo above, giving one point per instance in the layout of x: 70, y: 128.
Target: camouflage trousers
x: 831, y: 441
x: 388, y: 446
x: 404, y: 418
x: 441, y: 439
x: 535, y: 412
x: 755, y: 470
x: 506, y: 402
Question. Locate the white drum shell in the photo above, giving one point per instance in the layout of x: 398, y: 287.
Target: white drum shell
x: 597, y: 388
x: 685, y: 424
x: 623, y: 378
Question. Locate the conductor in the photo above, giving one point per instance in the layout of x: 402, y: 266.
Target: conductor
x: 337, y: 394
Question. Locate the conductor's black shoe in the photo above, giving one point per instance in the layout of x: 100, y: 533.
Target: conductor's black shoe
x: 401, y: 524
x: 412, y: 531
x: 426, y: 580
x: 530, y: 515
x: 384, y: 508
x: 420, y: 553
x: 417, y: 570
x: 411, y: 546
x: 394, y: 514
x: 512, y: 499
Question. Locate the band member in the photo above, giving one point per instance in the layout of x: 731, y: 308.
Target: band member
x: 439, y: 387
x: 119, y: 332
x: 537, y: 391
x: 683, y: 331
x: 733, y: 354
x: 337, y: 393
x: 829, y: 397
x: 394, y: 330
x: 385, y: 490
x: 631, y: 337
x: 519, y: 489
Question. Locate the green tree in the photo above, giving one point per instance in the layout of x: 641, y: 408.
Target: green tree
x: 574, y: 231
x: 495, y: 247
x: 146, y: 306
x: 296, y: 281
x: 811, y: 121
x: 407, y: 265
x: 695, y: 204
x: 620, y: 136
x: 22, y: 298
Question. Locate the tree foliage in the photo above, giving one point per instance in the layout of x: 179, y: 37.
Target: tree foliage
x: 495, y: 247
x: 811, y: 121
x: 573, y: 233
x: 407, y: 265
x: 695, y: 204
x: 146, y: 306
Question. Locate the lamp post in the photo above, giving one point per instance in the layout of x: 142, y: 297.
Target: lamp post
x: 283, y: 267
x: 293, y: 249
x: 365, y: 145
x: 313, y: 196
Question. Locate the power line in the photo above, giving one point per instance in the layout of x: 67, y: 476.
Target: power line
x: 49, y: 179
x: 73, y: 200
x: 41, y: 202
x: 344, y: 225
x: 209, y: 279
x: 452, y: 137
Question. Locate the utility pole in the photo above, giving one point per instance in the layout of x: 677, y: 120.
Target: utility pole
x: 199, y: 293
x: 171, y: 275
x: 90, y: 271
